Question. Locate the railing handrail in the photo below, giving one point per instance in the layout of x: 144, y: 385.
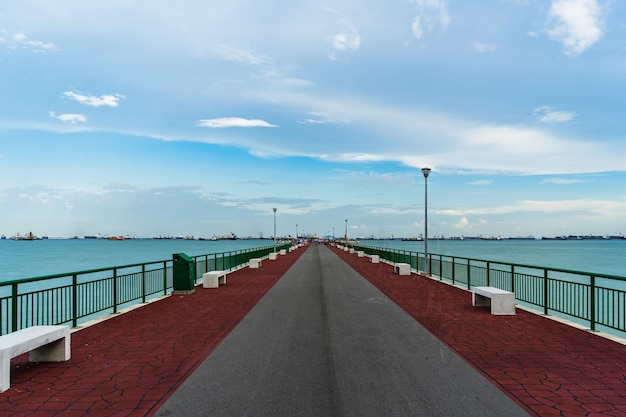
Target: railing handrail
x: 491, y: 261
x: 71, y: 300
x: 95, y: 270
x: 585, y: 300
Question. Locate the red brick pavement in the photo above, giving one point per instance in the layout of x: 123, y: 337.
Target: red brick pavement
x: 549, y: 368
x: 130, y: 364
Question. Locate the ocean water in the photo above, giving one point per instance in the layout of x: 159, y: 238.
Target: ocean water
x: 26, y: 259
x: 596, y: 256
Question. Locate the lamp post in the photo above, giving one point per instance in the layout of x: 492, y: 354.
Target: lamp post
x: 296, y: 231
x: 274, y: 229
x: 346, y: 234
x: 426, y: 171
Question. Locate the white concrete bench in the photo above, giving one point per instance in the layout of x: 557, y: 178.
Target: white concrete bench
x: 213, y: 279
x: 360, y: 253
x: 501, y: 302
x: 402, y: 269
x: 45, y: 344
x: 374, y: 259
x: 283, y: 251
x: 273, y: 256
x: 255, y: 263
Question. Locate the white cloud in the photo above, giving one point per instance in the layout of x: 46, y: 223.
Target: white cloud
x: 21, y: 41
x: 346, y: 39
x: 482, y: 48
x: 577, y: 24
x: 560, y: 181
x: 232, y: 122
x: 111, y: 100
x: 322, y: 118
x: 430, y: 15
x: 481, y: 182
x: 605, y: 207
x: 546, y: 114
x: 69, y: 118
x: 242, y: 56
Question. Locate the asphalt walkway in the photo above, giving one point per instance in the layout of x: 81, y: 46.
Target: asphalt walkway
x: 325, y: 342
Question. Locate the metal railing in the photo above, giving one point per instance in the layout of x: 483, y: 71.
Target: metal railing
x: 597, y: 300
x: 76, y: 297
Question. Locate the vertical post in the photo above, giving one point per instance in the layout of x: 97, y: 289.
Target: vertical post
x: 143, y: 283
x: 114, y: 290
x: 164, y: 277
x: 545, y: 292
x: 426, y: 171
x: 592, y: 303
x: 74, y: 301
x: 345, y: 236
x: 488, y: 275
x: 274, y: 229
x: 14, y: 307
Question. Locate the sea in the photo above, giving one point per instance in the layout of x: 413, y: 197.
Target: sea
x: 34, y: 258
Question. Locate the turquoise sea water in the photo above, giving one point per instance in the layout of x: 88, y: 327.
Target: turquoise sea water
x: 597, y: 256
x: 24, y: 259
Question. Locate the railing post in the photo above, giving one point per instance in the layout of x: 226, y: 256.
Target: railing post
x: 592, y: 303
x: 114, y: 290
x: 488, y: 275
x: 143, y: 283
x: 164, y: 277
x: 545, y: 292
x: 14, y: 308
x: 513, y: 278
x: 453, y: 270
x: 469, y: 275
x: 74, y: 300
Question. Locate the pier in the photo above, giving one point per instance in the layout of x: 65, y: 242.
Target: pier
x: 324, y: 332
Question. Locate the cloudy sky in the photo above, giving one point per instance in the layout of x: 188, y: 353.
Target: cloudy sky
x: 153, y: 117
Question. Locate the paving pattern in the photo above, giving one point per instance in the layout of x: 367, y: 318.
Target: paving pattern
x: 548, y: 367
x: 129, y: 365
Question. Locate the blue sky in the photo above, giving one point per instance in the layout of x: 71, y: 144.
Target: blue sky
x: 197, y: 118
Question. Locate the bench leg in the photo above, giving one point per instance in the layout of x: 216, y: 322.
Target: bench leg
x: 222, y: 280
x: 480, y: 300
x: 5, y: 372
x: 56, y: 351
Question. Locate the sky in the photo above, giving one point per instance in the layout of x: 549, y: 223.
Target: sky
x: 194, y: 117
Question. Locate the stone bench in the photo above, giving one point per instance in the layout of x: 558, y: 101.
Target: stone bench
x: 273, y: 256
x: 374, y: 259
x: 44, y: 344
x: 360, y: 253
x: 213, y: 279
x: 501, y: 302
x: 402, y: 269
x: 283, y: 251
x: 255, y: 263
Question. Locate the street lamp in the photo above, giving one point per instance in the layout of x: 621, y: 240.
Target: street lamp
x: 426, y: 171
x: 296, y: 231
x: 346, y: 234
x: 274, y: 229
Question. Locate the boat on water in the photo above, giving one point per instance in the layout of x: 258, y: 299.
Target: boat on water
x: 27, y: 236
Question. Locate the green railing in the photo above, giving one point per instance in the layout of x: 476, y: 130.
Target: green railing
x: 596, y: 300
x: 76, y: 297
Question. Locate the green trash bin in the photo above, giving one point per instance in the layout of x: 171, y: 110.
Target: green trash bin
x: 184, y: 274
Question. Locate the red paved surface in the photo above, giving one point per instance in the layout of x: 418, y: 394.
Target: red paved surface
x: 128, y: 365
x: 548, y: 367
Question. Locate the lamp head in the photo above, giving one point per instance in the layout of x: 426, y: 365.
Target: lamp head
x: 425, y: 171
